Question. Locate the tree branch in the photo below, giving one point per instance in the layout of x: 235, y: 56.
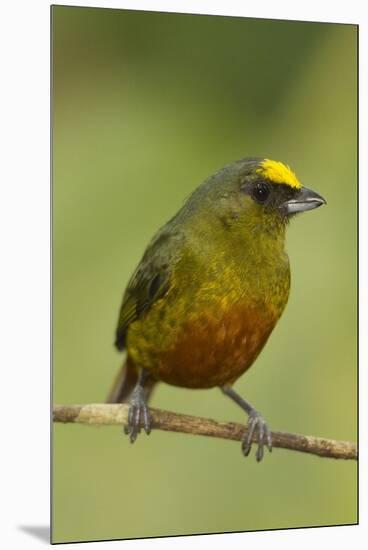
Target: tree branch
x: 109, y: 414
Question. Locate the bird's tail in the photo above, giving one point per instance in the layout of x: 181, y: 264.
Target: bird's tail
x: 125, y: 382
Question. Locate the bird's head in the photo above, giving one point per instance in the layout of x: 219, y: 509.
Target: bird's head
x: 272, y: 186
x: 256, y: 194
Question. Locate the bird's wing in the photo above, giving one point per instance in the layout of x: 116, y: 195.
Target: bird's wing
x: 149, y: 282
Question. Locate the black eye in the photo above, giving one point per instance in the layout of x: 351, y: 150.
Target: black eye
x: 261, y: 192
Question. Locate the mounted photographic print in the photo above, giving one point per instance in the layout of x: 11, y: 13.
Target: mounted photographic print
x: 204, y: 274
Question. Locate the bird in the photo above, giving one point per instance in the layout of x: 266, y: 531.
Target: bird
x: 210, y: 288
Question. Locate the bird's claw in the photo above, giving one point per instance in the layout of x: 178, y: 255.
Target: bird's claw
x: 256, y: 424
x: 138, y: 416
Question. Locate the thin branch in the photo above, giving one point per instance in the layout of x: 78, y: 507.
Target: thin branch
x: 108, y: 414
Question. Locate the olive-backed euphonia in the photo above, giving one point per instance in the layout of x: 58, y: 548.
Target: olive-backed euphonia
x: 209, y: 290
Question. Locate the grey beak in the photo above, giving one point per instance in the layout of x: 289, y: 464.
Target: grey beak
x: 305, y: 200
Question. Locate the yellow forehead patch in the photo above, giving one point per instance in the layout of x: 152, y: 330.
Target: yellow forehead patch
x: 277, y: 172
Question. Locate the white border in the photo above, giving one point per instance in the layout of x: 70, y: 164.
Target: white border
x: 24, y: 230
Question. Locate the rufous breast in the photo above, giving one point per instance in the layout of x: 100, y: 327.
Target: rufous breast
x: 214, y: 348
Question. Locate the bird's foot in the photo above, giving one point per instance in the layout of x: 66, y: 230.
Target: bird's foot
x: 257, y: 425
x: 138, y: 415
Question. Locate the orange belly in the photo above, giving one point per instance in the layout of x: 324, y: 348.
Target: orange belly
x: 210, y: 351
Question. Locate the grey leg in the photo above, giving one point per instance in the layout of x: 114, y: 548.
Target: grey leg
x: 138, y: 410
x: 256, y: 425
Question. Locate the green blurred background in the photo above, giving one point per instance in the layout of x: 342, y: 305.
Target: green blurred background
x: 145, y: 106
